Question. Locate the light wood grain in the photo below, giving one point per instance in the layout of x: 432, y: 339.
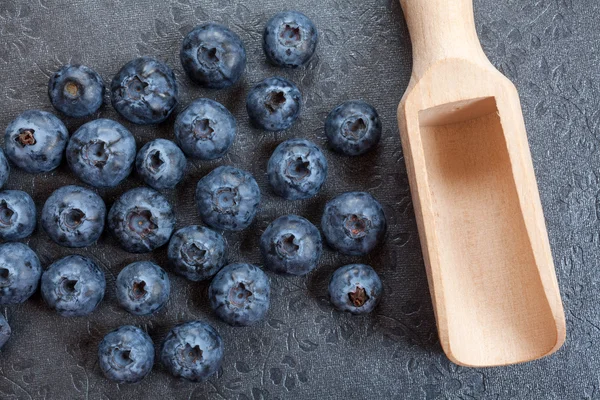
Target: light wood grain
x: 482, y: 230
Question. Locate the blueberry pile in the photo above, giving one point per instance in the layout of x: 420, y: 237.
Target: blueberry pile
x: 102, y: 154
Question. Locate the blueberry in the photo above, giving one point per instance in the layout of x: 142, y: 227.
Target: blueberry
x: 17, y: 215
x: 35, y: 141
x: 101, y: 153
x: 76, y: 90
x: 141, y: 220
x: 274, y: 104
x: 205, y: 129
x: 353, y: 128
x: 353, y: 223
x: 239, y: 294
x: 197, y: 253
x: 74, y: 216
x: 355, y: 288
x: 5, y: 331
x: 161, y: 164
x: 126, y: 355
x: 192, y: 350
x: 4, y: 169
x: 228, y: 198
x: 297, y: 169
x: 20, y: 272
x: 290, y: 39
x: 213, y: 56
x: 143, y: 288
x: 145, y: 91
x: 291, y: 245
x: 73, y: 286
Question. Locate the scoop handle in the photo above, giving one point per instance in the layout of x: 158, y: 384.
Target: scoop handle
x: 441, y: 29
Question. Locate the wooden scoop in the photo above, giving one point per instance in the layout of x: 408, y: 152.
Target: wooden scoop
x: 478, y: 209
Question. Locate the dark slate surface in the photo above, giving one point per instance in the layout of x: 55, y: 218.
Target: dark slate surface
x: 549, y: 48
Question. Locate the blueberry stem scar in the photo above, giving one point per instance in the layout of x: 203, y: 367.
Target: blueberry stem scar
x: 72, y: 89
x: 139, y: 289
x: 26, y: 137
x: 6, y: 213
x: 359, y: 297
x: 275, y: 100
x: 239, y: 294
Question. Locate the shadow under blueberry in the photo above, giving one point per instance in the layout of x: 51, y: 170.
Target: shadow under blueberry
x: 247, y: 242
x: 234, y: 97
x: 404, y: 316
x: 198, y: 295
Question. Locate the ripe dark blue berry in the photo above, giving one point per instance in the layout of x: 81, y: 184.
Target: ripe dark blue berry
x: 228, y: 198
x: 290, y: 39
x: 5, y: 331
x: 20, y: 272
x: 213, y: 56
x: 355, y: 288
x: 192, y: 350
x: 161, y: 164
x: 297, y: 169
x: 291, y: 245
x: 205, y: 130
x: 141, y: 220
x: 240, y: 294
x: 101, y: 153
x: 143, y: 288
x: 274, y: 104
x: 353, y: 223
x: 76, y: 90
x: 35, y: 141
x: 73, y: 286
x: 145, y: 91
x: 73, y: 216
x: 4, y: 169
x: 126, y: 355
x: 197, y: 253
x: 17, y: 215
x: 353, y: 128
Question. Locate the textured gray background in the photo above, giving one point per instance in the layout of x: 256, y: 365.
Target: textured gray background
x: 549, y: 48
